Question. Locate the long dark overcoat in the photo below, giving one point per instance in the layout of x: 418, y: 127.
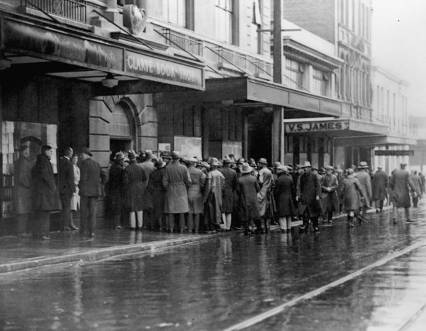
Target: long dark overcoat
x: 400, y: 186
x: 247, y: 189
x: 379, y: 185
x: 228, y: 189
x: 351, y: 193
x: 134, y: 180
x: 148, y: 167
x: 365, y: 181
x: 308, y: 189
x: 66, y: 185
x: 157, y: 192
x: 115, y: 189
x: 90, y: 179
x: 329, y: 198
x: 45, y: 193
x: 176, y: 181
x: 284, y: 189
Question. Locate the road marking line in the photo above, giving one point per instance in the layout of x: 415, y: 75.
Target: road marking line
x: 279, y: 309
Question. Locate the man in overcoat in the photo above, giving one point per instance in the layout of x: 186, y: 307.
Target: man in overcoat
x: 134, y: 179
x: 148, y: 167
x: 365, y: 180
x: 351, y: 194
x: 45, y: 193
x: 176, y: 181
x: 400, y: 186
x: 90, y: 191
x: 247, y: 189
x: 417, y: 184
x: 380, y: 184
x: 229, y: 188
x: 66, y: 188
x: 115, y: 190
x: 265, y: 194
x: 308, y: 194
x: 329, y: 185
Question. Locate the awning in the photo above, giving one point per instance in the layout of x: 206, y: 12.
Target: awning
x: 71, y: 53
x: 340, y: 128
x: 252, y: 92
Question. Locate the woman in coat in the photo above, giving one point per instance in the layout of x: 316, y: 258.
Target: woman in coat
x: 134, y: 179
x: 157, y: 192
x: 351, y: 193
x: 195, y: 196
x: 284, y: 189
x: 45, y: 193
x: 75, y: 199
x: 248, y: 188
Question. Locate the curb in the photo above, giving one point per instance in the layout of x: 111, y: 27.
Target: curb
x: 103, y: 253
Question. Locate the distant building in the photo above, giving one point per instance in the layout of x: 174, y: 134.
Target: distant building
x: 418, y: 130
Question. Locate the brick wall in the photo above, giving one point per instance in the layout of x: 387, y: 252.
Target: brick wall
x: 316, y: 16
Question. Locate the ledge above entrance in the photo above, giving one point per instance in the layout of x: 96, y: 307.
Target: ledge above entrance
x: 247, y: 92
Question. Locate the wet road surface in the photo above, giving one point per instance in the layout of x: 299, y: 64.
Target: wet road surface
x: 232, y: 279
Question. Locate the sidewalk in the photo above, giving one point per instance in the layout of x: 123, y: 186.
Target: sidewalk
x: 68, y: 247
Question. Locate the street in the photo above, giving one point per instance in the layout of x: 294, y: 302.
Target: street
x: 371, y: 277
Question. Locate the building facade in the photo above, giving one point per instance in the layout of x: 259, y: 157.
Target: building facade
x: 347, y: 25
x: 390, y: 106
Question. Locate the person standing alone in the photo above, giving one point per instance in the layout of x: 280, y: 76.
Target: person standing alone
x: 380, y: 184
x: 66, y: 188
x: 90, y: 191
x: 45, y: 193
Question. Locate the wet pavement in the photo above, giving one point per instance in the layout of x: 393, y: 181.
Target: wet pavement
x: 231, y: 279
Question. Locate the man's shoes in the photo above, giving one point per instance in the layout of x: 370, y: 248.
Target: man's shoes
x: 45, y: 237
x: 409, y: 221
x: 73, y: 227
x: 67, y: 228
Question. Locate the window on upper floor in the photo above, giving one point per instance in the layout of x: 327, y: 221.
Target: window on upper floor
x: 293, y: 74
x: 176, y: 12
x: 320, y: 82
x: 224, y: 20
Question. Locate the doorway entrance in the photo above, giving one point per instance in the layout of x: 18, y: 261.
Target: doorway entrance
x: 122, y: 130
x: 259, y: 135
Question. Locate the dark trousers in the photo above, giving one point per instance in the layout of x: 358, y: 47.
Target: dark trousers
x: 88, y: 214
x: 42, y: 223
x: 66, y: 210
x: 415, y: 202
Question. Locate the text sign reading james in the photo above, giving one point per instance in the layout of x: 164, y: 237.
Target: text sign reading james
x: 317, y: 126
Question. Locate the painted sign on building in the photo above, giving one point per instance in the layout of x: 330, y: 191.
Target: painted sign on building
x: 317, y: 126
x: 162, y: 69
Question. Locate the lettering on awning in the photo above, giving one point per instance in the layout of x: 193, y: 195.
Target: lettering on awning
x: 317, y: 126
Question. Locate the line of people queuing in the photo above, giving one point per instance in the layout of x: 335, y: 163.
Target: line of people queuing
x: 172, y: 193
x: 188, y: 194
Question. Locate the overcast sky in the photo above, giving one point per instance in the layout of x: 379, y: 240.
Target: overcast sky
x: 399, y: 45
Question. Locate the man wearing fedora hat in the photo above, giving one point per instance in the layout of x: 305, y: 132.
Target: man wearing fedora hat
x: 264, y: 196
x: 364, y: 178
x: 401, y: 186
x: 329, y: 185
x: 90, y: 191
x: 229, y: 188
x: 213, y: 196
x: 247, y: 189
x: 176, y: 181
x: 308, y: 196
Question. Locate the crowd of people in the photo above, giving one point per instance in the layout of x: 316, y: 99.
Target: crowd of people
x: 175, y: 193
x: 180, y: 194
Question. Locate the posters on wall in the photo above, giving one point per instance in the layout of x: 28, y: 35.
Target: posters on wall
x: 188, y: 146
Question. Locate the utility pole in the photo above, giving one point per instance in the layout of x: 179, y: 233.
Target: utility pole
x: 278, y: 152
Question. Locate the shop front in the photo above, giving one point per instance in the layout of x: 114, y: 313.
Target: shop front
x: 65, y: 86
x: 339, y: 142
x: 235, y: 116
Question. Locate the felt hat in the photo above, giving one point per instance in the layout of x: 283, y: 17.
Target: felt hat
x: 246, y: 169
x: 86, y: 151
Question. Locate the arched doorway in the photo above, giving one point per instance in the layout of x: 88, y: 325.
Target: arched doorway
x: 122, y: 129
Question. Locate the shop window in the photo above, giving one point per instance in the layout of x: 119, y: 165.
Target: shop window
x: 294, y: 74
x: 224, y: 20
x: 21, y: 143
x: 289, y: 144
x: 320, y: 82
